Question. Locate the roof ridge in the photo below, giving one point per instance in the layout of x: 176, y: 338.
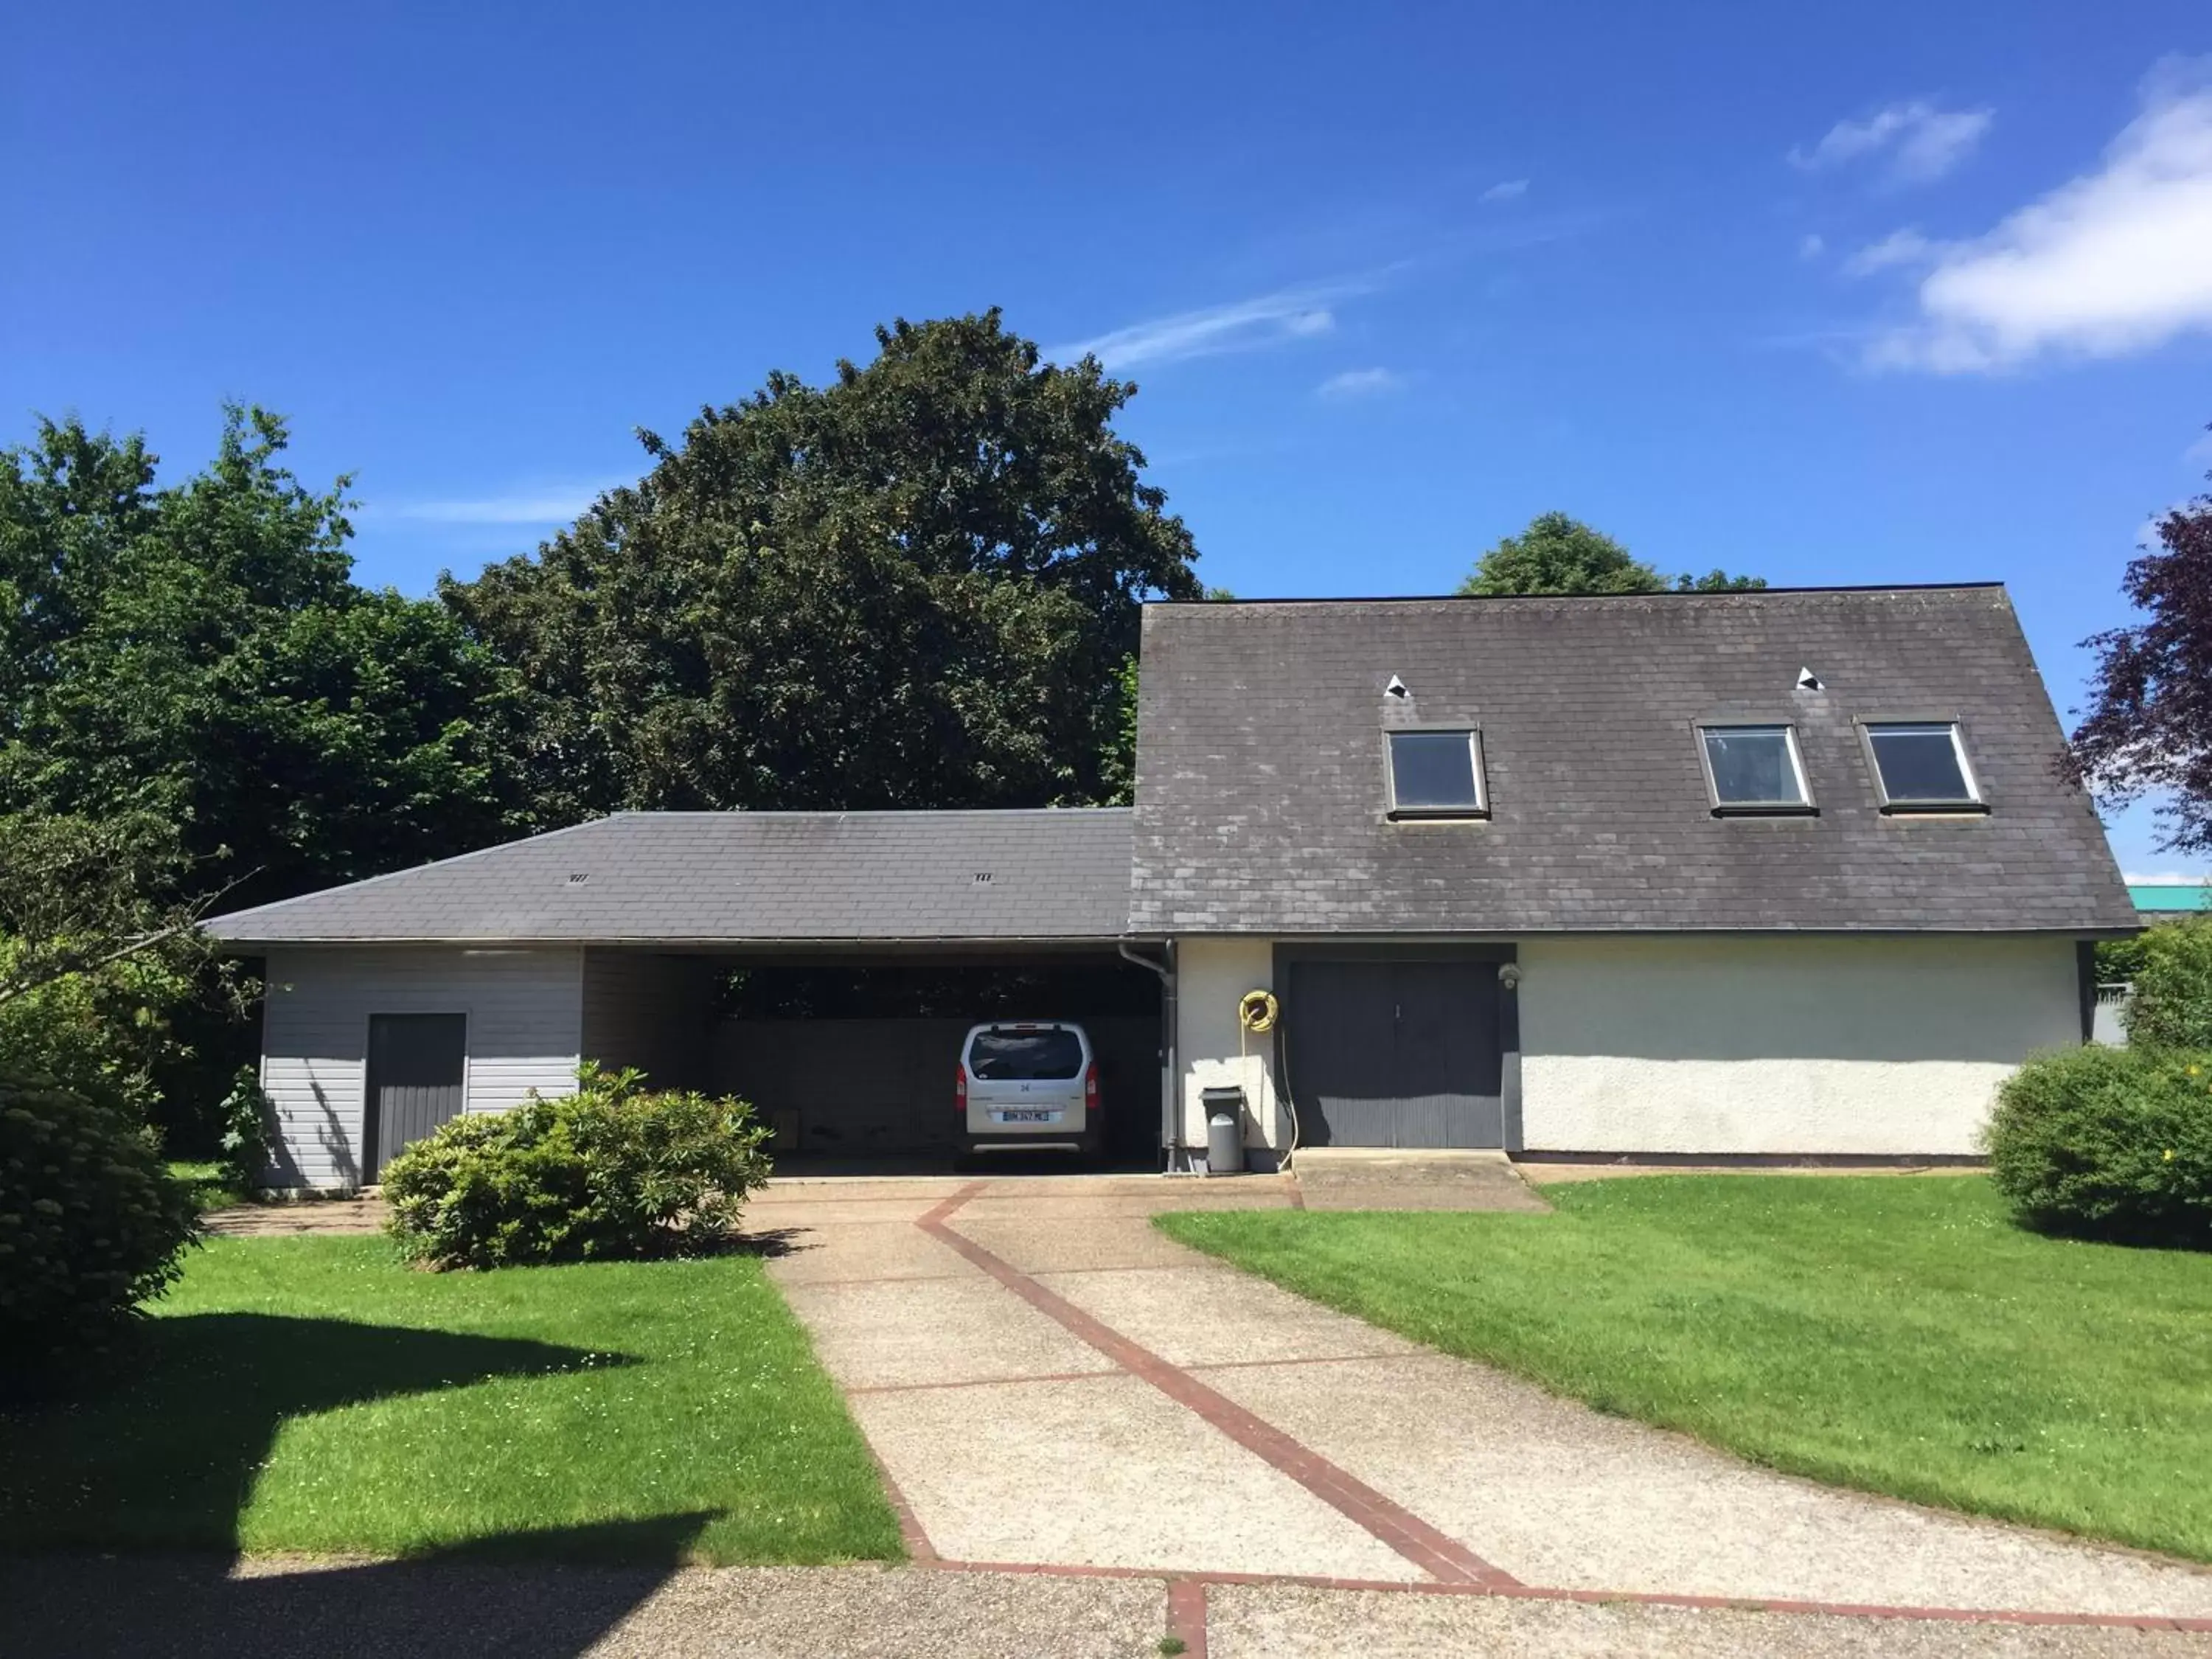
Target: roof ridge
x: 1668, y: 593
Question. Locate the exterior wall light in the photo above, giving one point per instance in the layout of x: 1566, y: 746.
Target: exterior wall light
x: 1509, y: 975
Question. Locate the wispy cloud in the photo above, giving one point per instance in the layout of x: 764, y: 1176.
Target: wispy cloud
x: 1899, y: 248
x: 1811, y: 245
x: 2200, y: 452
x: 1355, y: 383
x: 545, y: 504
x: 1506, y: 190
x: 1296, y: 313
x: 2116, y: 262
x: 1919, y: 142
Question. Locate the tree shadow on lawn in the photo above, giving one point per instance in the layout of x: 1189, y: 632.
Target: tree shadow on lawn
x: 498, y: 1596
x: 167, y: 1457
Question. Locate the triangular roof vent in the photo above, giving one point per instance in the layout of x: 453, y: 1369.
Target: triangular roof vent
x: 1808, y: 681
x: 1396, y: 688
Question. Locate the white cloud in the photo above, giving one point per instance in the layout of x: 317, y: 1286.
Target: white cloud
x: 1506, y: 190
x: 1921, y: 141
x: 1362, y: 383
x: 1899, y: 248
x: 1243, y: 326
x: 2115, y: 262
x: 1811, y: 245
x: 545, y: 504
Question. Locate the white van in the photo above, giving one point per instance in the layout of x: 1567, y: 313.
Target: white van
x: 1028, y: 1085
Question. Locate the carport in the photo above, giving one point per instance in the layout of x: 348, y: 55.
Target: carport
x: 848, y: 1051
x: 822, y: 965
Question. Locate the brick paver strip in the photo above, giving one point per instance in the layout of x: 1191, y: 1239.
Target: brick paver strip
x: 1186, y: 1615
x: 918, y: 1549
x: 1433, y: 1552
x: 1516, y: 1592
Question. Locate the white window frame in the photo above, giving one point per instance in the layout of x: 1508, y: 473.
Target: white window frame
x: 1473, y: 736
x: 1973, y: 801
x: 1803, y: 806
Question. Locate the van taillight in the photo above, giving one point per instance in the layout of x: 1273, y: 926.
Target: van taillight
x: 960, y: 1088
x: 1090, y: 1088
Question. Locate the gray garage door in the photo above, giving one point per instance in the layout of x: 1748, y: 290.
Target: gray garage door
x: 1395, y: 1054
x: 415, y: 1066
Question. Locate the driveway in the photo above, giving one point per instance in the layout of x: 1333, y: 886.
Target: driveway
x: 1051, y: 1384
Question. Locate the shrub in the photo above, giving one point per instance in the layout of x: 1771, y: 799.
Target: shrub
x: 2109, y: 1143
x: 244, y: 1118
x: 91, y: 1224
x: 612, y: 1171
x: 2173, y: 1004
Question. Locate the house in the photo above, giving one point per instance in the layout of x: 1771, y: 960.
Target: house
x: 1776, y: 873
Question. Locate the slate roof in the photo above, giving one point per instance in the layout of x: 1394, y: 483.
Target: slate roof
x: 724, y: 876
x: 1260, y: 781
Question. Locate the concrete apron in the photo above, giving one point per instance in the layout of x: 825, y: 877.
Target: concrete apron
x: 1050, y: 1384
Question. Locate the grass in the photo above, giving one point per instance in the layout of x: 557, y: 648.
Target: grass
x: 1897, y: 1335
x: 211, y: 1186
x: 314, y: 1395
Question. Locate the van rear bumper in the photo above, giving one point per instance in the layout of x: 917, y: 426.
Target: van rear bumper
x: 1037, y: 1142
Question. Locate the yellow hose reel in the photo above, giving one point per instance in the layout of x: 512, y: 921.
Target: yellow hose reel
x: 1257, y: 1011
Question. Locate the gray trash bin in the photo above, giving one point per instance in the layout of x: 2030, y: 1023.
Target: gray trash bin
x: 1224, y: 1131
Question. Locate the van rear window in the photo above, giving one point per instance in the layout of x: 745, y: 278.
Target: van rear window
x: 1022, y: 1056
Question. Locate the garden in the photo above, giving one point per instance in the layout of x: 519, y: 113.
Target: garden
x: 2033, y: 1344
x: 627, y: 1385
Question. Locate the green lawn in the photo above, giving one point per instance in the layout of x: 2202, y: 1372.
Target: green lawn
x: 1896, y: 1335
x: 314, y: 1394
x: 212, y: 1185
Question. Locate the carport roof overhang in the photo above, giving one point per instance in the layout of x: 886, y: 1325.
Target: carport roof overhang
x: 858, y: 951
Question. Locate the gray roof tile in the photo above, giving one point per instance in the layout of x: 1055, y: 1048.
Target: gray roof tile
x: 708, y: 876
x: 1259, y: 780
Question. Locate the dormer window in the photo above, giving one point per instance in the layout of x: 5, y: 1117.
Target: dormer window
x: 1436, y: 772
x: 1753, y: 768
x: 1921, y: 766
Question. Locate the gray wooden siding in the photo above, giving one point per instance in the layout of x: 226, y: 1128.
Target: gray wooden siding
x: 655, y: 1012
x: 525, y: 1011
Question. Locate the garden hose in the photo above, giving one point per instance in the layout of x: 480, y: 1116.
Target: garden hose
x: 1257, y: 1014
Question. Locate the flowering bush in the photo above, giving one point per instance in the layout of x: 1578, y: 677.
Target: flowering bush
x: 2109, y: 1143
x: 611, y: 1170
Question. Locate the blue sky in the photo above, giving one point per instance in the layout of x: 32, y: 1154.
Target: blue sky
x: 1887, y: 293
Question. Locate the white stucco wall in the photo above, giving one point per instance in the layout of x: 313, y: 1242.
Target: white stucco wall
x: 525, y: 1031
x: 1781, y: 1045
x: 1212, y: 975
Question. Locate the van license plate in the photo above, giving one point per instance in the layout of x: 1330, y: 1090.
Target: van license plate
x: 1027, y: 1117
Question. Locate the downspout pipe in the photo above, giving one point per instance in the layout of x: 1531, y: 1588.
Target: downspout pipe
x: 1171, y: 1117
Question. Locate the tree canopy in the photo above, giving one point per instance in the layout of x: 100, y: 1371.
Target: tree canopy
x: 1557, y: 553
x: 2148, y: 729
x: 914, y: 587
x: 197, y: 654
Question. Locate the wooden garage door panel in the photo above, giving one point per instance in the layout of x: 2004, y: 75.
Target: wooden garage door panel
x: 1397, y: 1054
x: 417, y: 1064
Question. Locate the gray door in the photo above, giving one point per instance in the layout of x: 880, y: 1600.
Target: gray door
x: 1395, y: 1054
x: 415, y: 1066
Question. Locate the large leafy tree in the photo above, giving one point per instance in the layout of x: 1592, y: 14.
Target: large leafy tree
x: 2148, y: 729
x: 1559, y: 555
x: 93, y: 965
x: 912, y: 586
x: 197, y: 653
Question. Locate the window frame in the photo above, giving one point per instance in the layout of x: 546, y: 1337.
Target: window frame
x: 1473, y: 734
x: 1975, y: 801
x: 1805, y: 806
